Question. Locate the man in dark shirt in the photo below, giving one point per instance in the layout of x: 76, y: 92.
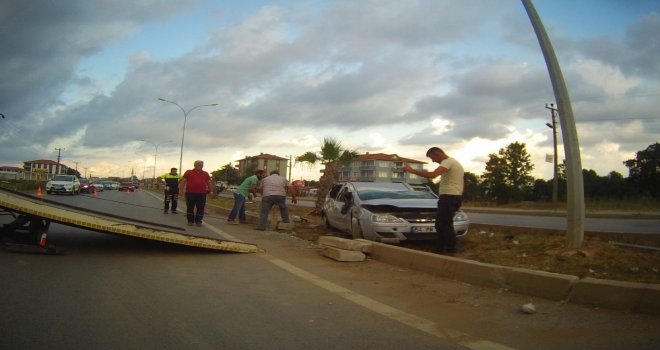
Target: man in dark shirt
x: 171, y: 189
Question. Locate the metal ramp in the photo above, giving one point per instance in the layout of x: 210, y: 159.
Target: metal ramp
x: 33, y: 215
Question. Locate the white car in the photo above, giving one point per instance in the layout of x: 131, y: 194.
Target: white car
x: 99, y: 186
x: 385, y: 212
x: 63, y: 184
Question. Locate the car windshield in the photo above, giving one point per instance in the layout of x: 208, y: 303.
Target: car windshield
x: 374, y: 193
x: 389, y: 190
x: 62, y: 178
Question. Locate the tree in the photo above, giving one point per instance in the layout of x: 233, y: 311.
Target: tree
x: 332, y: 154
x: 644, y: 170
x: 471, y: 190
x: 507, y: 176
x: 227, y: 173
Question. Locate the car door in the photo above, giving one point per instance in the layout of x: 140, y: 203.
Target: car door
x: 333, y: 205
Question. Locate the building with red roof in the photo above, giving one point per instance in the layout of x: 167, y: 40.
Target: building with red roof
x: 380, y: 167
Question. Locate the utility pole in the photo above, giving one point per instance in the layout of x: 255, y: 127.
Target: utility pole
x: 574, y: 180
x: 289, y: 166
x: 553, y: 126
x: 59, y: 153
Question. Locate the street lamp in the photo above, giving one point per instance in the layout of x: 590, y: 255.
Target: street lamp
x: 155, y: 153
x: 553, y: 126
x: 183, y: 132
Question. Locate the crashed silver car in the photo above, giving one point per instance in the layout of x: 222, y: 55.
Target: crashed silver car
x: 385, y: 212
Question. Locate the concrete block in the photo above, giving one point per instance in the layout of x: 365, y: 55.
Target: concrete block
x: 348, y: 244
x: 618, y: 295
x: 553, y: 286
x: 343, y: 254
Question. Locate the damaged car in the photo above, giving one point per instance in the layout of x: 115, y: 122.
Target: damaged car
x: 385, y: 212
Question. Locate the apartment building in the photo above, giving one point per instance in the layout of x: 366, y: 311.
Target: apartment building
x: 380, y: 167
x: 265, y: 162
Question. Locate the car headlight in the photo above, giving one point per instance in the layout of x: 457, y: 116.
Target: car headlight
x: 386, y: 219
x: 460, y: 217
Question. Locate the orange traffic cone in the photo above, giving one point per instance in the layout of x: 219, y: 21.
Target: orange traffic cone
x: 39, y: 193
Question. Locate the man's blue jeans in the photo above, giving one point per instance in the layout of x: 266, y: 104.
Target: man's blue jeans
x: 239, y: 208
x: 267, y: 203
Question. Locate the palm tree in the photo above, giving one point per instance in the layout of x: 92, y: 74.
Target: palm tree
x: 331, y: 156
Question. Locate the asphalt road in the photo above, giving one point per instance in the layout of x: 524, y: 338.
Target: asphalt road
x: 559, y: 223
x: 114, y: 292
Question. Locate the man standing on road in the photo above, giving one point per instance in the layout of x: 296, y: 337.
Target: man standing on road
x: 171, y: 189
x: 196, y: 184
x: 248, y: 185
x: 450, y: 192
x: 273, y: 189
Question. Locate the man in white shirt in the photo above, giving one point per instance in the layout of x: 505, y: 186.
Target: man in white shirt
x: 274, y: 188
x: 450, y: 193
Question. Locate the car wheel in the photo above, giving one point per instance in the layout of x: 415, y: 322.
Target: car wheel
x: 49, y: 192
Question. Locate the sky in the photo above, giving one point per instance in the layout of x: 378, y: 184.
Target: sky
x: 394, y: 77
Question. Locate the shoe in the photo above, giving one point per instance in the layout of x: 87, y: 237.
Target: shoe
x: 244, y: 222
x: 165, y: 212
x: 260, y: 229
x: 198, y: 224
x: 286, y: 222
x: 174, y: 212
x: 233, y: 222
x: 190, y: 224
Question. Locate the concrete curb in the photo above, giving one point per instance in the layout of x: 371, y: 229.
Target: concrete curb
x: 617, y: 295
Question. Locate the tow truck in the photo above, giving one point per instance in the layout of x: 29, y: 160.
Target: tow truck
x: 32, y: 216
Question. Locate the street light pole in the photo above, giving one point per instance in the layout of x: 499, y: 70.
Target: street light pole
x: 156, y: 145
x: 574, y: 181
x: 183, y: 132
x: 553, y: 126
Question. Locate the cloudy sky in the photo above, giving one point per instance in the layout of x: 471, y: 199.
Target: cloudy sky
x: 380, y: 76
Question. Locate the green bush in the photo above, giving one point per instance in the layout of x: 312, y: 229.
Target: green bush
x: 20, y: 185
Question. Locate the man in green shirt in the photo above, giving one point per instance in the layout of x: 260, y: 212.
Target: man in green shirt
x: 240, y: 196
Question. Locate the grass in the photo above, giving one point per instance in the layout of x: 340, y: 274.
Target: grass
x: 536, y: 249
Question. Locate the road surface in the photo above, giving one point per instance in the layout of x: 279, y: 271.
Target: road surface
x: 114, y: 292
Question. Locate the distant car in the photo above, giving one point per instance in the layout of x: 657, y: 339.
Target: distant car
x: 385, y: 212
x: 99, y: 186
x: 86, y: 186
x: 110, y: 185
x: 127, y: 186
x: 63, y: 184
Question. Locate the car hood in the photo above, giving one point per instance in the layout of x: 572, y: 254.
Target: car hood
x: 391, y: 205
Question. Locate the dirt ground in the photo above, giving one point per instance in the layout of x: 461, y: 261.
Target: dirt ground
x: 528, y: 248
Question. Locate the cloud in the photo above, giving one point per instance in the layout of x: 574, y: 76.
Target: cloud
x: 381, y: 76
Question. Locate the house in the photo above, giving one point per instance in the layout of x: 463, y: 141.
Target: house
x: 11, y: 172
x: 45, y: 167
x: 265, y: 162
x: 380, y: 167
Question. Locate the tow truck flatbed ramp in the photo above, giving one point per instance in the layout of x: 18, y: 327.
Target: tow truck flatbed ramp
x: 38, y: 213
